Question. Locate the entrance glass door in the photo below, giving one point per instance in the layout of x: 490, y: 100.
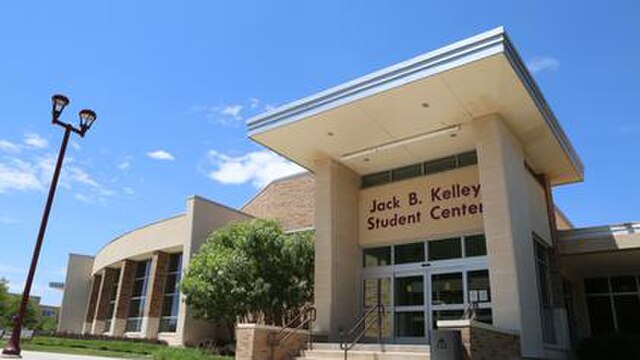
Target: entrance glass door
x: 378, y: 289
x: 423, y: 282
x: 409, y: 309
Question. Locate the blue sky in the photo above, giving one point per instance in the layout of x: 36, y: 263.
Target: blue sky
x: 172, y: 83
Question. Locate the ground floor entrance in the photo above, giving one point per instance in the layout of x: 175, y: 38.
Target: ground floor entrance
x: 423, y: 282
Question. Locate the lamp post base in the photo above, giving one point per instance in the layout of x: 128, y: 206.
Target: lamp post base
x: 11, y: 351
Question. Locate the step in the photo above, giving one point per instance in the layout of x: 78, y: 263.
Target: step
x: 362, y: 355
x: 405, y: 348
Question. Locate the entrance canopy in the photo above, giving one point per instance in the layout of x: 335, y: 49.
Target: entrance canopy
x: 422, y: 109
x: 598, y: 251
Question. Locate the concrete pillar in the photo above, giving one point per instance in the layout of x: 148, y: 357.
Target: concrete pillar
x: 337, y: 253
x: 123, y: 297
x: 155, y: 293
x: 109, y: 280
x: 508, y: 229
x: 90, y: 315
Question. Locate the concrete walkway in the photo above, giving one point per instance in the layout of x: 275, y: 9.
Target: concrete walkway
x: 33, y: 355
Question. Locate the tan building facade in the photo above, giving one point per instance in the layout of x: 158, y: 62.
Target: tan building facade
x: 433, y: 198
x: 129, y: 288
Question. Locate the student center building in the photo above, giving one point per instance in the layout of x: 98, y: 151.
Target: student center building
x: 430, y: 190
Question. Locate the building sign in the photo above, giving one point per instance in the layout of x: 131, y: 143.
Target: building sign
x: 442, y: 203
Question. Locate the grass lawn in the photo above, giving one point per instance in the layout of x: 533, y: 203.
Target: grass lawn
x: 119, y: 349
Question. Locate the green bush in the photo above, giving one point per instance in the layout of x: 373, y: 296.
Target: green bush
x: 618, y: 346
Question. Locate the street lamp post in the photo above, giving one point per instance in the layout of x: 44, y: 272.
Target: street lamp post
x: 87, y: 117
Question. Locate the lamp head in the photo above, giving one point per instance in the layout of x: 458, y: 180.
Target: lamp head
x: 87, y: 118
x: 58, y: 103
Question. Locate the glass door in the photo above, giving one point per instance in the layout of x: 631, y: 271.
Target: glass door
x: 378, y: 289
x: 409, y: 311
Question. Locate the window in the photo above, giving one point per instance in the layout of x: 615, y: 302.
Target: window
x: 138, y: 296
x: 475, y: 245
x: 409, y: 253
x: 420, y: 169
x: 445, y: 249
x: 541, y: 253
x: 440, y: 165
x: 466, y: 159
x: 380, y: 256
x: 406, y: 172
x: 613, y: 304
x: 409, y: 324
x: 478, y: 286
x: 446, y: 289
x: 376, y: 179
x: 113, y: 293
x: 409, y: 291
x: 171, y: 300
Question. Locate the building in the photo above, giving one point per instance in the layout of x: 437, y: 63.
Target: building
x: 436, y: 174
x: 128, y: 289
x: 430, y: 189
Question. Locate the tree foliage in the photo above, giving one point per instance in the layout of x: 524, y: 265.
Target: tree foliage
x: 251, y: 269
x: 4, y: 298
x: 9, y: 306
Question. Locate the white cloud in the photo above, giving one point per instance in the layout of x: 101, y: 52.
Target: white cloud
x: 16, y: 174
x: 124, y: 165
x: 8, y: 146
x: 75, y: 145
x: 35, y: 141
x: 233, y: 111
x: 8, y: 220
x: 35, y: 175
x: 258, y: 168
x: 128, y: 190
x: 160, y: 155
x: 543, y: 63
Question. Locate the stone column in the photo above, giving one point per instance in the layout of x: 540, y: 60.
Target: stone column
x: 508, y: 230
x: 155, y: 293
x: 109, y: 280
x: 337, y: 253
x: 123, y: 297
x: 91, y: 306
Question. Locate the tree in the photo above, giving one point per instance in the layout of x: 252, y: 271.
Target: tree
x: 4, y: 298
x: 9, y: 306
x: 251, y: 270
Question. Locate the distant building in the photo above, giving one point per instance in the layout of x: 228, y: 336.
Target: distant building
x: 48, y: 311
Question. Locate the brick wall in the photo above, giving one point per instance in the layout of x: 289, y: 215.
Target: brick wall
x: 484, y: 342
x: 252, y: 343
x: 157, y: 279
x: 93, y: 298
x: 155, y: 292
x: 289, y: 200
x: 110, y: 279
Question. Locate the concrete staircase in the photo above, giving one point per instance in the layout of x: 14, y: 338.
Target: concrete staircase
x: 332, y: 351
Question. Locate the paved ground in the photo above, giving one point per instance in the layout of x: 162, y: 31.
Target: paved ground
x: 32, y: 355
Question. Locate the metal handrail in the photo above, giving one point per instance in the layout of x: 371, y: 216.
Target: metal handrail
x: 348, y: 345
x: 309, y: 315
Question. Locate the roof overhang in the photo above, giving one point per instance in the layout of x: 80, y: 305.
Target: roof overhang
x: 408, y: 107
x: 602, y: 250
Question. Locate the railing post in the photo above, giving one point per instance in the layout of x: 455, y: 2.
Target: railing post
x: 379, y: 308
